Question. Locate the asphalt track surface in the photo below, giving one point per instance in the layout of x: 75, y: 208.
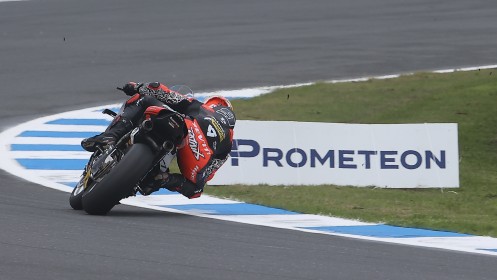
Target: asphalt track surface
x: 67, y: 54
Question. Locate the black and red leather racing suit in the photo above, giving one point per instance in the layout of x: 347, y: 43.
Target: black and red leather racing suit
x: 208, y: 140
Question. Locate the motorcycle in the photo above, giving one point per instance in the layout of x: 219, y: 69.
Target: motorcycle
x: 115, y: 172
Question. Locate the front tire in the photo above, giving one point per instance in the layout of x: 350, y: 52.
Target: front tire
x: 100, y: 198
x: 76, y: 198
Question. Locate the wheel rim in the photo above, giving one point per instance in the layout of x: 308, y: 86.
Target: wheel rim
x: 80, y: 187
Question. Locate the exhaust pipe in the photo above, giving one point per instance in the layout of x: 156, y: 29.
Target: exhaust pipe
x: 168, y: 146
x: 148, y: 125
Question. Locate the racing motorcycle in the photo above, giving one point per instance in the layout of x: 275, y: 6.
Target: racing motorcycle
x: 115, y: 172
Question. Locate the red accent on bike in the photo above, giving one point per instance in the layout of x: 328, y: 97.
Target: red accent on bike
x: 154, y: 110
x: 133, y: 98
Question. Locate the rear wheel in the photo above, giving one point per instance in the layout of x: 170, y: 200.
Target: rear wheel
x: 100, y: 198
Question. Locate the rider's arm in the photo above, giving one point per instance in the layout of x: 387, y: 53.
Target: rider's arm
x: 175, y: 100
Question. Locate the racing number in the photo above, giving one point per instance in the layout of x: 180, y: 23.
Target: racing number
x: 211, y: 132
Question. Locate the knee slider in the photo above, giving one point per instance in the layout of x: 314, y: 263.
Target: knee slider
x: 190, y: 190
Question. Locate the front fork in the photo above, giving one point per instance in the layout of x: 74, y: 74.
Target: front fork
x: 100, y: 164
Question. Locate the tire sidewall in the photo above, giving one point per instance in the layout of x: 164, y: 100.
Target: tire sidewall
x: 119, y: 182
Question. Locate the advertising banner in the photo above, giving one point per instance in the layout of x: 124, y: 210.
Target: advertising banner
x: 380, y: 155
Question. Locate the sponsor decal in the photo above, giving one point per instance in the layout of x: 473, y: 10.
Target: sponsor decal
x: 192, y: 142
x: 194, y: 136
x: 193, y: 173
x: 341, y: 159
x: 173, y: 123
x: 228, y: 114
x: 215, y: 129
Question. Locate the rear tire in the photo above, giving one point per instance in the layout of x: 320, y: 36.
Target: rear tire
x: 100, y: 198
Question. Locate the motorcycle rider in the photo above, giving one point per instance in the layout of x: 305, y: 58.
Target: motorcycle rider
x: 205, y: 138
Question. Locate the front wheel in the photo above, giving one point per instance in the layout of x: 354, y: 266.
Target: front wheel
x: 100, y: 198
x: 76, y: 198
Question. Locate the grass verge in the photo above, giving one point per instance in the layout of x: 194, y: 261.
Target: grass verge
x: 466, y: 98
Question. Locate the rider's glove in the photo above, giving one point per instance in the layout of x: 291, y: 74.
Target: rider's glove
x: 131, y: 88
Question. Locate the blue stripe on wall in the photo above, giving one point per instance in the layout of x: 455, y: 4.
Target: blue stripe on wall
x: 80, y: 122
x: 60, y: 134
x: 52, y: 164
x: 46, y: 147
x: 386, y: 231
x: 231, y: 209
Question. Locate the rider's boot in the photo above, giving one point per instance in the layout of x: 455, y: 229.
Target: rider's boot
x: 153, y: 185
x: 116, y: 130
x: 163, y: 180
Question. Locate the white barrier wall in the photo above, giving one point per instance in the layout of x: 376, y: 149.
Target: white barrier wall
x: 304, y: 153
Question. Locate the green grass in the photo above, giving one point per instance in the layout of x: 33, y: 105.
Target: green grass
x: 466, y: 98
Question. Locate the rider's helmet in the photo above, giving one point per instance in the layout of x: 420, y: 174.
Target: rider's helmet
x: 218, y: 100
